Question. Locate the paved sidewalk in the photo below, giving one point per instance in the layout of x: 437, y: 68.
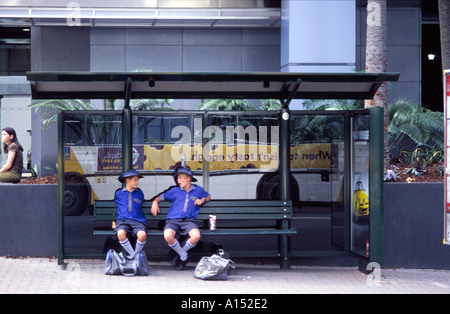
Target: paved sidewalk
x: 44, y: 275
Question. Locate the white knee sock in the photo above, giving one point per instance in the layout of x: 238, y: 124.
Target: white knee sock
x: 177, y: 248
x: 188, y: 246
x: 140, y: 246
x: 127, y: 246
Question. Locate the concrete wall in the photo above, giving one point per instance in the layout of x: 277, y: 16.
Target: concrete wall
x: 54, y: 49
x: 29, y: 227
x: 185, y: 50
x: 414, y: 226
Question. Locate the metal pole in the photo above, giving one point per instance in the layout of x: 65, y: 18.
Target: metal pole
x: 284, y: 245
x: 376, y: 188
x: 127, y: 145
x: 284, y: 171
x: 205, y: 161
x: 285, y: 166
x: 285, y: 143
x: 61, y: 187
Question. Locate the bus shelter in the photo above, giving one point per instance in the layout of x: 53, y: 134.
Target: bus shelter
x: 327, y: 162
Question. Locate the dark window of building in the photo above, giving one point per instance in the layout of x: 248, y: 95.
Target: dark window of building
x: 432, y: 92
x: 14, y: 51
x: 432, y: 88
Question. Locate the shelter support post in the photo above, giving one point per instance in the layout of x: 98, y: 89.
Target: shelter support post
x: 376, y: 185
x: 285, y: 170
x: 61, y: 188
x: 127, y: 146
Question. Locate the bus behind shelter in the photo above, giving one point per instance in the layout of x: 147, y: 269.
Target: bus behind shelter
x: 330, y: 160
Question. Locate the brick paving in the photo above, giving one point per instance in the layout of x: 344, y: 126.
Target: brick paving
x: 45, y: 276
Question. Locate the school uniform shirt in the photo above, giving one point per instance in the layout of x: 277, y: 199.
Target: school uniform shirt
x: 183, y: 201
x: 129, y: 205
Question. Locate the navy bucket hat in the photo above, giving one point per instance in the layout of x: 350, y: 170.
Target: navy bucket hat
x: 185, y: 171
x: 129, y: 174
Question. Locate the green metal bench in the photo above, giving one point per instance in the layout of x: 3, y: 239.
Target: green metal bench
x: 228, y: 212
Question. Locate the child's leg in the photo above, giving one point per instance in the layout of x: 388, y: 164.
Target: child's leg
x: 194, y: 238
x: 169, y: 236
x: 122, y: 235
x: 141, y: 240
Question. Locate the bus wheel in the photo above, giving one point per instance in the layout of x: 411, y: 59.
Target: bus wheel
x: 76, y: 198
x: 268, y: 188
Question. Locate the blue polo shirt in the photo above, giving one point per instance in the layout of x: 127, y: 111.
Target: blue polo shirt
x: 183, y: 201
x: 129, y: 205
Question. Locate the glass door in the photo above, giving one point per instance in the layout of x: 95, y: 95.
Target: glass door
x: 366, y: 185
x: 360, y: 185
x: 318, y: 165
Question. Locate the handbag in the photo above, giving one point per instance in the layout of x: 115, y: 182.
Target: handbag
x: 118, y: 264
x: 213, y: 268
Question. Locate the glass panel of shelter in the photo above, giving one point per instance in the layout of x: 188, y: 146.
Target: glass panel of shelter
x: 92, y: 163
x: 242, y: 150
x: 317, y: 181
x: 163, y: 141
x: 228, y: 151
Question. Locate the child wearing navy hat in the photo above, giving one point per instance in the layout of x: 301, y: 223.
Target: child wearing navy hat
x: 130, y: 217
x: 186, y: 200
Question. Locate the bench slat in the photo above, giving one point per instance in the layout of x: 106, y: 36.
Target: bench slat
x: 221, y: 203
x: 223, y: 209
x: 206, y: 217
x: 212, y: 210
x: 218, y: 232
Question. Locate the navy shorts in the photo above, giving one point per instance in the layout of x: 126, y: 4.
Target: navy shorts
x: 129, y: 225
x: 181, y: 226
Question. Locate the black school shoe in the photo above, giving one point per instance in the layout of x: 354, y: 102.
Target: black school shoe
x: 182, y: 264
x: 176, y: 260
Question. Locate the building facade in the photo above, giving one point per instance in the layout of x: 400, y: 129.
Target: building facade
x: 190, y: 36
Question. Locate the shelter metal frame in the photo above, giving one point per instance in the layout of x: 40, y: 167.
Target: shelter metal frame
x: 202, y: 85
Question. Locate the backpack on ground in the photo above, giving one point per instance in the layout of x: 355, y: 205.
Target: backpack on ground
x: 119, y: 264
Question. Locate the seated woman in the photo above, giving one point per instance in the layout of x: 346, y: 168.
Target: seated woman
x: 12, y: 171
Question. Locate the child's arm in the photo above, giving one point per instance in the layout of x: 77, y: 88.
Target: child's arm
x: 201, y: 201
x: 155, y: 206
x: 116, y: 197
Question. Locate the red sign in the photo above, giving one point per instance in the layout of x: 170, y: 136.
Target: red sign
x: 446, y: 156
x: 448, y: 83
x: 367, y: 249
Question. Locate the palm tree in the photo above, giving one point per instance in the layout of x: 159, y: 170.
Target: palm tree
x: 139, y: 104
x: 225, y: 104
x: 63, y: 104
x: 444, y: 19
x: 415, y: 124
x: 376, y: 62
x: 239, y: 104
x: 270, y: 104
x: 333, y: 104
